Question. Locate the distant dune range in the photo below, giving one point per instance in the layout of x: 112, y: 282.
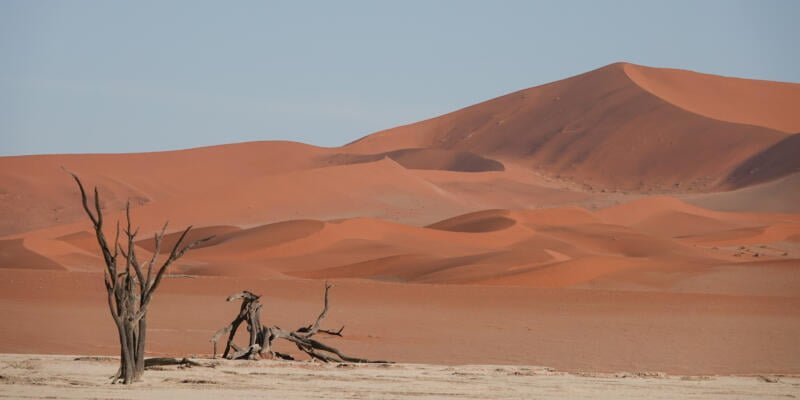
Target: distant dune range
x: 668, y: 186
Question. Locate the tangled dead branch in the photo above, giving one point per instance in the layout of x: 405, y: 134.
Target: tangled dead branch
x: 262, y: 337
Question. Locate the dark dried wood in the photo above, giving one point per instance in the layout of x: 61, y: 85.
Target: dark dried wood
x: 263, y: 337
x: 129, y: 289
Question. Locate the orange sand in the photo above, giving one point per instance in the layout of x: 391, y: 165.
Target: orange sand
x: 582, y: 224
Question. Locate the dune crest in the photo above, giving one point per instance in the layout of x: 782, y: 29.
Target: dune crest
x: 743, y: 101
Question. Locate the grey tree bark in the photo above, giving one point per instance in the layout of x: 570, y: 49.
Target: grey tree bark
x: 129, y: 284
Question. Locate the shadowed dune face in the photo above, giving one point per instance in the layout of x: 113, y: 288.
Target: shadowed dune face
x: 778, y: 196
x: 231, y: 238
x: 269, y: 235
x: 14, y: 254
x: 778, y: 160
x: 482, y: 221
x: 433, y: 159
x: 546, y: 194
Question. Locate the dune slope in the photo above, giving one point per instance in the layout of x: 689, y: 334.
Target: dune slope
x: 745, y: 101
x: 608, y: 127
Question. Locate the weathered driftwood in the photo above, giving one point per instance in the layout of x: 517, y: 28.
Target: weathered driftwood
x: 130, y: 286
x: 263, y: 337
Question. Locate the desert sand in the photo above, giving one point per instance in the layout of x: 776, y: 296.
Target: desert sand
x: 626, y: 219
x: 71, y: 377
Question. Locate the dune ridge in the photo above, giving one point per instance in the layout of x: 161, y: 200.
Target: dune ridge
x: 763, y: 103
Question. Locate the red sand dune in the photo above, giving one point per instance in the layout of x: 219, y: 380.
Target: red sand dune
x: 481, y: 221
x: 609, y: 128
x: 589, y: 222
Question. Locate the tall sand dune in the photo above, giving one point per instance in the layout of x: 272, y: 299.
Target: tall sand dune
x: 616, y: 127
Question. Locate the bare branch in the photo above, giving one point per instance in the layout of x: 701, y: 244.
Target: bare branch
x: 116, y: 241
x: 108, y: 281
x: 174, y: 252
x: 174, y: 255
x: 157, y: 237
x: 97, y: 223
x: 97, y: 207
x: 333, y: 333
x: 312, y: 330
x: 132, y: 259
x: 84, y: 200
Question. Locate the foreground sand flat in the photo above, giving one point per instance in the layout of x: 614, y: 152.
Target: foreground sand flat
x: 70, y: 377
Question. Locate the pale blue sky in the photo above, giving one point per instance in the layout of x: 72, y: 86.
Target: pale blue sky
x: 113, y: 76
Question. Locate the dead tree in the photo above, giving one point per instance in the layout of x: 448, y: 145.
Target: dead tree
x: 263, y: 337
x: 130, y: 284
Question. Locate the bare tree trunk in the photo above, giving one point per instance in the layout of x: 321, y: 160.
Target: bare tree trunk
x: 139, y: 365
x: 123, y: 350
x: 128, y: 288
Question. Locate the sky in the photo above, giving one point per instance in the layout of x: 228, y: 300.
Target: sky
x: 130, y: 76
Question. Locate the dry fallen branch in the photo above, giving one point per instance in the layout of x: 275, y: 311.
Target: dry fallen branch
x: 263, y: 337
x: 167, y: 361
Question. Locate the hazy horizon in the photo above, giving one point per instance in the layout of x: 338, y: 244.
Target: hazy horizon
x: 90, y: 76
